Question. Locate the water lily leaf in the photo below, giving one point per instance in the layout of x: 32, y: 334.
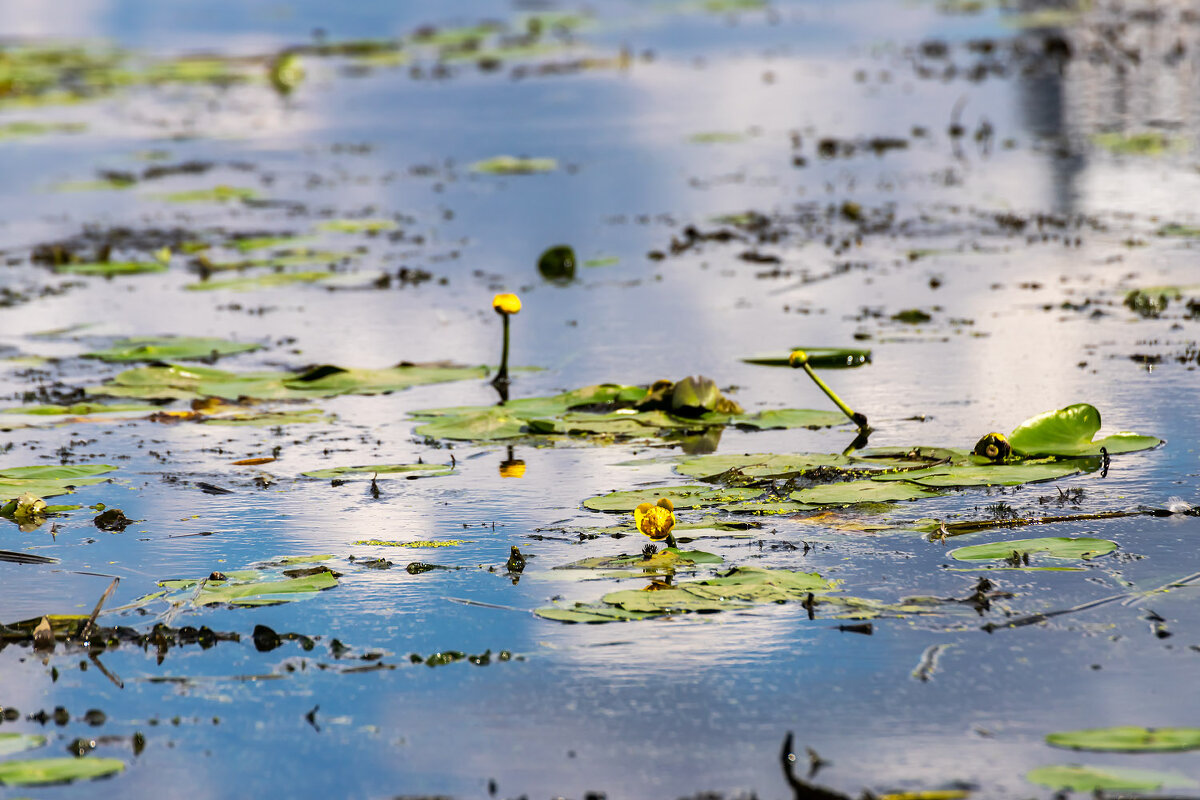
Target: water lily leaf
x: 1080, y: 778
x: 590, y: 612
x: 766, y: 507
x: 1054, y: 546
x: 666, y: 559
x: 254, y: 590
x: 78, y: 409
x: 110, y: 268
x: 49, y: 480
x: 38, y: 771
x: 717, y: 137
x: 331, y: 380
x: 510, y: 165
x: 168, y: 348
x: 217, y: 194
x: 759, y: 465
x: 824, y: 357
x: 1128, y: 739
x: 252, y: 243
x: 493, y: 423
x: 414, y: 545
x: 271, y: 419
x: 269, y: 281
x: 681, y: 496
x: 788, y: 418
x: 19, y: 742
x: 357, y: 225
x: 299, y: 257
x: 865, y: 491
x: 909, y: 457
x: 952, y: 475
x: 1069, y: 431
x: 429, y: 470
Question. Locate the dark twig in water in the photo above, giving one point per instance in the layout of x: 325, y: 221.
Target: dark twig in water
x: 87, y: 629
x: 802, y: 790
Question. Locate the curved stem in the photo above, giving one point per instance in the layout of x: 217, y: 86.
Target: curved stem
x: 858, y: 419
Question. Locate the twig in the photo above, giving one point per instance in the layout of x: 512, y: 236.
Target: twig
x: 802, y: 790
x: 87, y: 629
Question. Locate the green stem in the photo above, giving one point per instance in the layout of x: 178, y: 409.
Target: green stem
x: 502, y: 375
x: 671, y: 541
x: 858, y: 419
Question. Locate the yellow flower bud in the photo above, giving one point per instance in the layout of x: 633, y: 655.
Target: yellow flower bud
x: 656, y: 521
x: 994, y: 446
x: 506, y: 304
x: 798, y: 358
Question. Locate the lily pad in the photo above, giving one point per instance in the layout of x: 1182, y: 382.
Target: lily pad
x: 357, y: 225
x: 825, y: 357
x: 510, y: 165
x: 668, y: 558
x: 49, y: 480
x: 248, y: 589
x: 1069, y: 431
x: 680, y: 496
x: 19, y: 742
x: 953, y: 475
x: 1128, y: 739
x: 78, y: 409
x: 217, y: 194
x: 428, y: 470
x: 269, y: 281
x: 110, y: 268
x: 1055, y: 546
x: 759, y: 465
x: 39, y: 771
x: 767, y: 507
x: 788, y: 418
x: 169, y: 348
x: 866, y: 491
x: 1080, y: 778
x: 742, y: 587
x: 270, y: 419
x: 253, y: 243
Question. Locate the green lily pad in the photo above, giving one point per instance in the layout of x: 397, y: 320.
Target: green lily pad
x: 742, y: 587
x: 717, y: 137
x: 666, y: 559
x: 429, y: 470
x: 1069, y: 431
x: 39, y: 771
x: 248, y: 589
x: 481, y: 426
x: 269, y: 281
x: 253, y: 243
x: 49, y: 480
x: 19, y: 742
x: 1128, y: 739
x: 174, y: 381
x: 824, y: 357
x: 1080, y: 778
x: 953, y: 475
x: 170, y: 348
x: 759, y: 465
x: 78, y: 409
x: 510, y: 165
x: 357, y: 225
x: 217, y: 194
x: 681, y: 496
x: 789, y: 418
x: 110, y: 268
x: 1054, y: 546
x: 767, y: 507
x: 271, y: 418
x: 866, y: 491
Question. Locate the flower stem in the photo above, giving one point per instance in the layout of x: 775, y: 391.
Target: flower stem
x: 502, y: 375
x: 800, y: 359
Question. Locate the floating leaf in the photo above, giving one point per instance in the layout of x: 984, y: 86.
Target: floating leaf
x: 269, y: 419
x: 78, y: 409
x: 110, y: 268
x: 357, y: 225
x: 249, y: 589
x: 38, y: 771
x: 759, y: 465
x: 680, y: 496
x: 170, y: 348
x: 1054, y: 546
x: 430, y: 470
x: 668, y: 558
x: 1069, y: 431
x: 510, y: 165
x: 767, y: 507
x: 480, y: 426
x: 19, y: 742
x: 867, y: 491
x: 217, y: 194
x: 269, y: 281
x: 717, y: 137
x: 414, y: 545
x: 49, y: 480
x: 1081, y: 778
x: 253, y: 243
x: 1128, y: 739
x: 825, y: 357
x: 952, y: 475
x: 788, y: 418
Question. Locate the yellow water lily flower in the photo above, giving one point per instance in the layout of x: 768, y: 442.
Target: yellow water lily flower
x: 514, y: 468
x: 506, y: 304
x: 656, y: 521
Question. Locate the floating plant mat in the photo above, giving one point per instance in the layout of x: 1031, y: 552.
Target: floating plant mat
x: 408, y: 470
x: 612, y: 410
x: 827, y: 357
x: 1054, y: 546
x: 166, y: 348
x: 1080, y: 778
x: 1128, y: 739
x: 49, y: 480
x: 38, y: 771
x: 175, y: 381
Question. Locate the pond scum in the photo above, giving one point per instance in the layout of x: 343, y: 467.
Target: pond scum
x: 206, y: 307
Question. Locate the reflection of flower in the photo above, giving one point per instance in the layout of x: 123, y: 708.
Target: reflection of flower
x: 656, y: 521
x: 506, y: 304
x: 513, y: 468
